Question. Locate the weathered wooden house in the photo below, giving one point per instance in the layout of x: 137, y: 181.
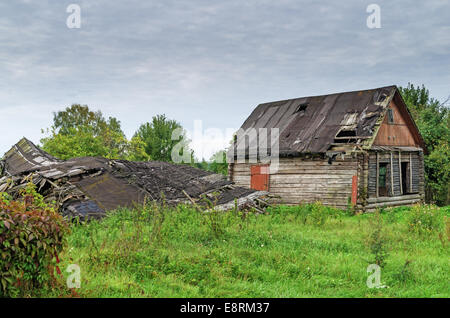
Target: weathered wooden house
x: 359, y: 147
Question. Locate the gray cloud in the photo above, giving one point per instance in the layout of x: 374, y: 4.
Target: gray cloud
x: 209, y: 60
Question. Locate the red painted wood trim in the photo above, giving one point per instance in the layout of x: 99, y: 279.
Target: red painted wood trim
x: 354, y: 189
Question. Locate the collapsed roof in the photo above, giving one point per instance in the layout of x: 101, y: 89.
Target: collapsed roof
x: 87, y: 187
x: 317, y: 124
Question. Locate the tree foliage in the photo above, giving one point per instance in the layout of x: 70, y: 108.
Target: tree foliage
x: 157, y: 138
x: 217, y: 163
x: 78, y: 132
x: 433, y: 120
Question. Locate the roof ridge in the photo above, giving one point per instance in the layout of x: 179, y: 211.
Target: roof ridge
x: 324, y: 95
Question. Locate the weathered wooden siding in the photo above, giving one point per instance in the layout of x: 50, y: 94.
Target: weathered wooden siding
x: 398, y: 133
x: 302, y: 180
x: 385, y: 157
x: 414, y: 191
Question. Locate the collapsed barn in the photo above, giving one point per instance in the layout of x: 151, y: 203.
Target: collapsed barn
x: 360, y: 146
x: 87, y: 187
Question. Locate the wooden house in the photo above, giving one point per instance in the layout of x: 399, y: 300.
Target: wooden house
x: 361, y: 148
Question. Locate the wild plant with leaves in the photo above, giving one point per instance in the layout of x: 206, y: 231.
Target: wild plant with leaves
x: 32, y: 235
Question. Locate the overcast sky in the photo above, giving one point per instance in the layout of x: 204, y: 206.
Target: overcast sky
x: 207, y: 60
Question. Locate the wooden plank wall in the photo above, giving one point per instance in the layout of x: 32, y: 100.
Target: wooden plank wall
x: 302, y: 180
x: 417, y: 170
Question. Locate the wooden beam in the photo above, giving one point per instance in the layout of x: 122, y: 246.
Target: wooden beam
x: 353, y: 137
x: 378, y: 174
x: 392, y: 203
x: 410, y: 173
x: 400, y: 171
x: 392, y: 175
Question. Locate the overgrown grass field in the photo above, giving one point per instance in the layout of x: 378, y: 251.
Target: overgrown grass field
x: 301, y: 251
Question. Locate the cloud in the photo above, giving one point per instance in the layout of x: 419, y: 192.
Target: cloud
x: 208, y: 60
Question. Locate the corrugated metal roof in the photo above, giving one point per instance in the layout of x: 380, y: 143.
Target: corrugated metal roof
x: 310, y: 124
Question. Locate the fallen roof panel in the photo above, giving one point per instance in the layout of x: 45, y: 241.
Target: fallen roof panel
x: 87, y: 187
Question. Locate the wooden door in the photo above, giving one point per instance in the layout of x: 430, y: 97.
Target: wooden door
x: 259, y: 177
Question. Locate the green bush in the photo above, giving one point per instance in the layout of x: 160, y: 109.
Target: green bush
x: 31, y: 237
x: 378, y: 240
x: 319, y: 214
x: 425, y: 219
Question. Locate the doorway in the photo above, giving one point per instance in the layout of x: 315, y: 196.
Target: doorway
x: 405, y: 177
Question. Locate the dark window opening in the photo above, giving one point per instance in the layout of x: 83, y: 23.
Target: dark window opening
x: 301, y: 107
x: 405, y: 177
x: 390, y: 116
x: 382, y: 178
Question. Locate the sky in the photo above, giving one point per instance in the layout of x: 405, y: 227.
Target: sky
x: 207, y: 63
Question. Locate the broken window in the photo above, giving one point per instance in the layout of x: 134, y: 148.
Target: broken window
x: 390, y: 116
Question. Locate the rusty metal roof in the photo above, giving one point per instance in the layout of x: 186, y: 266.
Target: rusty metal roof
x: 311, y: 124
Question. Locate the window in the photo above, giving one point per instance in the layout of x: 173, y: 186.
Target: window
x: 382, y: 176
x: 390, y: 116
x: 382, y: 173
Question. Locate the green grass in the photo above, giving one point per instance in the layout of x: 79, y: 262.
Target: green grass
x: 302, y: 251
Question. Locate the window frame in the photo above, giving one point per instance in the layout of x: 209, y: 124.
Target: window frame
x: 390, y: 116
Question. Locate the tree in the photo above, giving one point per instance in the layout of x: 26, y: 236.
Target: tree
x: 78, y: 131
x: 136, y: 151
x: 157, y: 138
x: 433, y: 120
x: 218, y: 162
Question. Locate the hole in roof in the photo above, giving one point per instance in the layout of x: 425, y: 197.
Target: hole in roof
x: 346, y: 133
x: 345, y: 141
x: 341, y: 137
x: 381, y: 97
x: 302, y: 107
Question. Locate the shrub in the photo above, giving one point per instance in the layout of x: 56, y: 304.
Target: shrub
x: 425, y: 219
x: 377, y: 240
x: 31, y: 237
x: 319, y: 214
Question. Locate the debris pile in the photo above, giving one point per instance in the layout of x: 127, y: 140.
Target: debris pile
x: 87, y: 187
